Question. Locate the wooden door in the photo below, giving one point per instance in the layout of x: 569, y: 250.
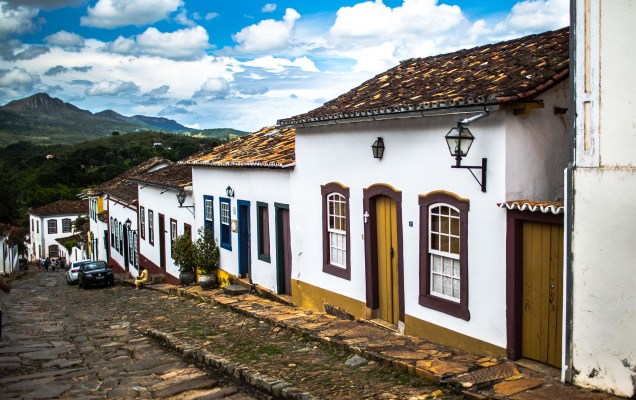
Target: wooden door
x: 162, y: 241
x: 542, y: 292
x: 283, y: 250
x: 244, y: 236
x: 386, y: 220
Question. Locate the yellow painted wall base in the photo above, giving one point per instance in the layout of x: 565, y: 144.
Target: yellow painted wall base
x: 313, y: 297
x: 437, y: 334
x: 223, y: 278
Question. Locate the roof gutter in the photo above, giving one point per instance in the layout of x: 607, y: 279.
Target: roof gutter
x: 393, y: 116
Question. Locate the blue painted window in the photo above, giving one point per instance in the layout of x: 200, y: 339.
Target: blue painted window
x: 226, y: 231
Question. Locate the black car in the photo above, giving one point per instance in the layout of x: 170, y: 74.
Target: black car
x: 95, y: 273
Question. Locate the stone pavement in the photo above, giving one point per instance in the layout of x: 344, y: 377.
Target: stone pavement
x: 474, y: 376
x: 60, y: 342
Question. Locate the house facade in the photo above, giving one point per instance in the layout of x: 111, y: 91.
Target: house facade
x: 9, y: 256
x: 113, y: 224
x: 601, y: 285
x: 241, y: 193
x: 51, y: 222
x: 407, y: 239
x: 161, y: 219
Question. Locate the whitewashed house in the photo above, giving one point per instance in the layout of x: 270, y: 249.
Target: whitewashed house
x: 241, y: 192
x: 601, y: 283
x: 161, y: 218
x: 404, y: 238
x: 51, y: 222
x: 75, y: 246
x: 113, y: 218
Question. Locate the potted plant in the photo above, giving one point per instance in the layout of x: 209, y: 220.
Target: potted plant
x: 184, y: 254
x: 208, y: 253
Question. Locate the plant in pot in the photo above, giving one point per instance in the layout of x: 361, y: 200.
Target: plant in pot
x: 184, y: 254
x: 207, y: 259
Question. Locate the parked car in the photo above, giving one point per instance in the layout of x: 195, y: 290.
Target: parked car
x: 71, y: 274
x: 95, y: 273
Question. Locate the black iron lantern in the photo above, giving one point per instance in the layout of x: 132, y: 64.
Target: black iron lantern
x: 181, y: 195
x: 378, y: 148
x: 229, y: 191
x: 459, y: 140
x: 127, y: 224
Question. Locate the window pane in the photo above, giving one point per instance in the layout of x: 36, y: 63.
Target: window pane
x: 445, y: 225
x: 455, y: 227
x: 437, y: 263
x: 456, y: 288
x: 454, y: 245
x: 437, y: 283
x: 445, y: 243
x: 447, y: 286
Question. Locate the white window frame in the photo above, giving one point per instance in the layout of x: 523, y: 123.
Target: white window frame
x: 70, y: 225
x: 447, y: 269
x: 151, y: 227
x: 142, y: 221
x: 337, y: 229
x: 225, y: 213
x: 116, y: 228
x: 173, y: 231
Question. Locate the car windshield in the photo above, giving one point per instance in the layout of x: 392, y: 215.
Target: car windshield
x: 94, y: 265
x: 78, y: 264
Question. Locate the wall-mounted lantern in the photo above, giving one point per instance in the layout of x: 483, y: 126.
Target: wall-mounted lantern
x: 378, y: 148
x: 229, y: 191
x: 181, y: 196
x: 459, y: 140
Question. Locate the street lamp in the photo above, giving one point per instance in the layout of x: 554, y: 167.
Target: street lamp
x: 378, y: 148
x: 181, y: 196
x: 459, y: 140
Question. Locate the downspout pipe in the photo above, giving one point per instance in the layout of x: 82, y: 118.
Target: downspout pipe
x: 566, y: 371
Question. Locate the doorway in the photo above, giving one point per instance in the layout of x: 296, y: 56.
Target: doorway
x: 283, y: 249
x: 384, y: 264
x: 244, y: 237
x: 162, y: 241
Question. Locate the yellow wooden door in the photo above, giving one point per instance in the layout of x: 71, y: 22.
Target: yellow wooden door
x: 542, y: 292
x: 387, y: 259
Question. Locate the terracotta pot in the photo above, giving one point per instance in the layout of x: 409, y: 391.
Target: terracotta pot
x: 207, y: 281
x: 186, y: 278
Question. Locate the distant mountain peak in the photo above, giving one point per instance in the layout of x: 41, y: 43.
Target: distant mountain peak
x: 42, y: 102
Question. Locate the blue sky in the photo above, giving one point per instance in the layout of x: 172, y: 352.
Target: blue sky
x: 241, y: 64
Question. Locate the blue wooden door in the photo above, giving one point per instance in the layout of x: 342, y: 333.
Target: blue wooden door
x: 244, y: 236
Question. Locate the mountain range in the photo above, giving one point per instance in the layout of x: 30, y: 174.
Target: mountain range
x: 46, y: 120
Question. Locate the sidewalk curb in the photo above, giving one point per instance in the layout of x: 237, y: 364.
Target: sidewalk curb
x: 273, y: 386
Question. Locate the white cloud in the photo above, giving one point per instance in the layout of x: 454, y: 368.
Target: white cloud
x: 184, y: 44
x: 269, y: 7
x: 17, y: 80
x: 115, y: 13
x: 276, y: 65
x: 15, y: 20
x: 182, y: 18
x: 268, y: 34
x: 112, y: 88
x: 413, y: 19
x: 211, y: 16
x: 45, y: 4
x: 530, y: 16
x: 214, y: 87
x: 65, y: 39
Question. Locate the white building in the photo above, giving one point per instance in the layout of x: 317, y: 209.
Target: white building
x: 405, y: 239
x: 9, y: 256
x: 114, y: 236
x: 600, y: 347
x: 51, y: 222
x: 161, y: 218
x: 241, y: 192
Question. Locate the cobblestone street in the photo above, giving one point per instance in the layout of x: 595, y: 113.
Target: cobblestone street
x: 63, y: 342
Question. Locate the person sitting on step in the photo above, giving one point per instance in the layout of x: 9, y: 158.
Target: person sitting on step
x: 142, y: 278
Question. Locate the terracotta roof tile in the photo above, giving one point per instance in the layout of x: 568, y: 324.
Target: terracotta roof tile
x: 174, y: 176
x: 77, y: 237
x: 268, y: 148
x: 120, y: 187
x: 62, y: 207
x: 546, y: 207
x: 492, y: 74
x: 103, y: 216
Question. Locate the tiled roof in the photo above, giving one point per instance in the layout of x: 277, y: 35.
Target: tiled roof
x: 173, y: 176
x: 103, y: 216
x: 509, y: 71
x: 77, y: 237
x: 546, y: 207
x: 120, y: 187
x: 5, y: 229
x: 268, y: 148
x: 62, y: 207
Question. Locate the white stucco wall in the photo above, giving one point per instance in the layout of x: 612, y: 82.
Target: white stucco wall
x: 537, y: 149
x: 45, y: 239
x: 152, y: 198
x: 604, y: 187
x: 250, y: 184
x: 416, y: 161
